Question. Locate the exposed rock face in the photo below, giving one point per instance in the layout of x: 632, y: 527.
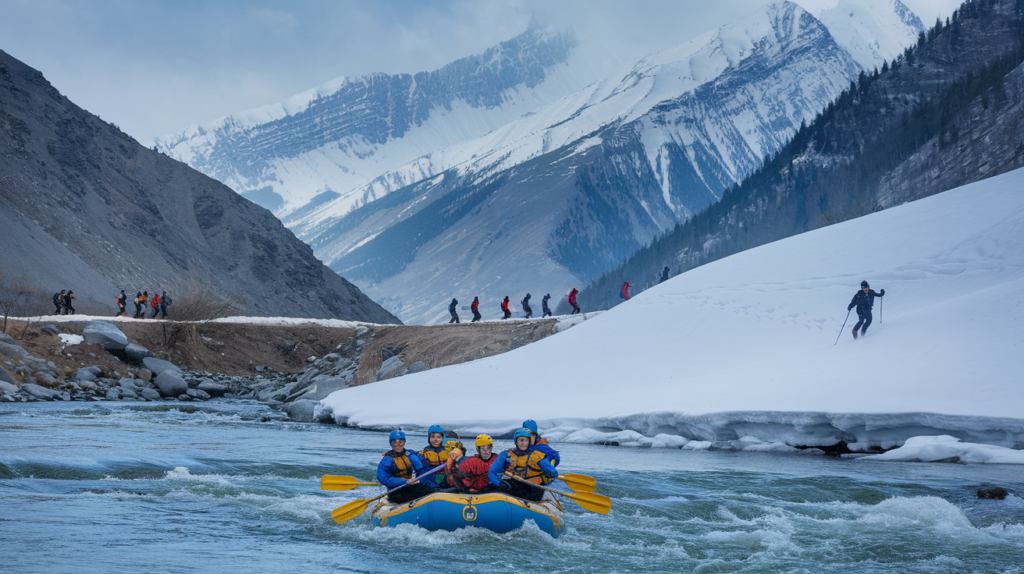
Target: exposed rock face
x: 105, y: 204
x: 994, y: 493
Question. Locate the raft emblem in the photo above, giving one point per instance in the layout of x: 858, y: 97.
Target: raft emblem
x: 469, y: 513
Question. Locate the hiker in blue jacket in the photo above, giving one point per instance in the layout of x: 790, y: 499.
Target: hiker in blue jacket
x: 864, y: 300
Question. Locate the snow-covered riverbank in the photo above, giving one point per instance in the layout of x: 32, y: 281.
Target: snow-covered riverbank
x: 741, y: 352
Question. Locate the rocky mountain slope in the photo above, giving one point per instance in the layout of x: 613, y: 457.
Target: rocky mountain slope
x: 561, y: 196
x: 325, y: 143
x: 950, y: 111
x: 84, y: 206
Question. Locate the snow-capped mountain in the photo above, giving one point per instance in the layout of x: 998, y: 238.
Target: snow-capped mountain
x: 561, y: 195
x: 329, y: 141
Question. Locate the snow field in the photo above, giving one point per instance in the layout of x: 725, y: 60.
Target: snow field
x: 743, y: 349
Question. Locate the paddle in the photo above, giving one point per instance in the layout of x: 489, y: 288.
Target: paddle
x: 357, y: 506
x: 588, y: 500
x: 329, y: 482
x: 578, y: 482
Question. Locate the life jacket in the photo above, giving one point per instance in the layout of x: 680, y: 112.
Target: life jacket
x: 454, y: 474
x: 403, y: 466
x: 542, y: 441
x: 526, y: 466
x: 474, y: 470
x: 432, y: 457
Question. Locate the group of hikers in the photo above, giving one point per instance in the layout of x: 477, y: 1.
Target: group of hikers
x: 506, y: 310
x: 62, y: 301
x: 158, y: 304
x: 530, y: 459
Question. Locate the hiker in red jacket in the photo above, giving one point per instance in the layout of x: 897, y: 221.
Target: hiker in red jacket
x: 504, y: 308
x: 476, y: 310
x: 572, y: 301
x: 625, y: 291
x: 154, y: 303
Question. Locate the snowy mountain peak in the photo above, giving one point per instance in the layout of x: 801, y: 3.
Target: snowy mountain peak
x: 872, y: 32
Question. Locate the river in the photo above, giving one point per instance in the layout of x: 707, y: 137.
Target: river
x: 230, y: 486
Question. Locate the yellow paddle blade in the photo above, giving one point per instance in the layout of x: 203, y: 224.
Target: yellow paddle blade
x: 580, y: 479
x: 577, y: 486
x: 351, y: 510
x: 329, y: 482
x: 590, y: 501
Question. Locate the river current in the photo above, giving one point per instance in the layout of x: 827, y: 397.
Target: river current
x: 230, y: 486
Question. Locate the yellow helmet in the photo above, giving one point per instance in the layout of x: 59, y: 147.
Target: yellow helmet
x: 454, y: 444
x: 483, y: 439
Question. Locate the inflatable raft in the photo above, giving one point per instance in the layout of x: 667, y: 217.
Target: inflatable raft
x: 493, y: 511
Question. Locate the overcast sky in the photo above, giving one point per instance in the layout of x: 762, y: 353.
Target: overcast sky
x: 154, y: 67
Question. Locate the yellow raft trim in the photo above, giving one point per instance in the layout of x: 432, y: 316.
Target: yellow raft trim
x: 547, y: 506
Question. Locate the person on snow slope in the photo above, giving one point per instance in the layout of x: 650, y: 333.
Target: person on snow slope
x: 572, y: 301
x: 525, y: 462
x: 399, y: 466
x: 475, y: 308
x: 864, y: 300
x: 541, y: 443
x: 452, y: 309
x: 526, y: 306
x: 544, y: 306
x: 435, y: 454
x: 506, y: 312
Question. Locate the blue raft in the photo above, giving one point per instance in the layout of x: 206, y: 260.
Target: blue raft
x: 493, y: 511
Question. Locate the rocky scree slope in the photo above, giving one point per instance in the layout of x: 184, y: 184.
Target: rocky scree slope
x: 949, y: 112
x: 86, y: 207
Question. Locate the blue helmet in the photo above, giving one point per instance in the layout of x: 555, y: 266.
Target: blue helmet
x: 519, y: 433
x: 396, y: 434
x: 436, y: 428
x: 530, y: 425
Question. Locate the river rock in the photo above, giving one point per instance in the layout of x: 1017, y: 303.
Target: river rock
x: 417, y: 367
x: 994, y: 493
x: 198, y: 395
x: 388, y: 367
x: 136, y: 353
x: 128, y: 394
x: 52, y: 329
x: 171, y: 384
x: 5, y: 338
x: 301, y: 411
x: 184, y: 397
x: 150, y: 394
x: 38, y: 392
x: 213, y: 388
x: 128, y: 384
x: 145, y: 375
x: 114, y: 394
x: 6, y: 377
x: 5, y: 398
x: 158, y: 366
x: 105, y: 335
x: 88, y: 373
x: 87, y: 385
x: 322, y: 388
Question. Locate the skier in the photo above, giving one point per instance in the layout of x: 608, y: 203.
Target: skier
x: 154, y: 304
x: 475, y: 307
x: 451, y: 309
x: 58, y: 302
x: 625, y: 291
x: 572, y: 301
x: 544, y: 304
x: 122, y: 301
x: 664, y: 275
x: 526, y: 306
x: 504, y: 308
x: 165, y: 302
x: 68, y: 308
x: 863, y: 301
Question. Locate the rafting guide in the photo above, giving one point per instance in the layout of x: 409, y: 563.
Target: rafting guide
x: 440, y: 488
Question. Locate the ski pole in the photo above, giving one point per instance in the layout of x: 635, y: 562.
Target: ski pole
x: 881, y: 307
x: 841, y: 329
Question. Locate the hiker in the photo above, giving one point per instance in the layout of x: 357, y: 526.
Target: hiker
x: 664, y: 275
x: 434, y: 454
x: 122, y: 301
x: 504, y: 308
x: 165, y: 302
x: 525, y: 462
x: 475, y: 468
x: 625, y: 291
x: 143, y: 299
x: 541, y: 443
x: 544, y: 305
x: 526, y: 306
x: 572, y: 301
x: 451, y: 309
x: 863, y: 300
x: 399, y: 466
x: 475, y: 307
x: 58, y: 302
x: 68, y: 308
x: 154, y: 304
x: 139, y: 302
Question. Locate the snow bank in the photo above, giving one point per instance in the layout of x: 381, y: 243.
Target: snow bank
x: 744, y: 347
x: 333, y: 323
x: 950, y: 449
x: 70, y: 339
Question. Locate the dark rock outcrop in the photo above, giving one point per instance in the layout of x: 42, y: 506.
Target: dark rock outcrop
x: 994, y: 493
x: 83, y: 203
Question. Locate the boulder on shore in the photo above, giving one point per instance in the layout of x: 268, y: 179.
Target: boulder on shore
x: 304, y: 411
x: 105, y: 335
x: 213, y: 388
x: 6, y: 377
x: 171, y: 384
x: 38, y: 392
x: 136, y: 353
x: 158, y: 366
x: 8, y: 387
